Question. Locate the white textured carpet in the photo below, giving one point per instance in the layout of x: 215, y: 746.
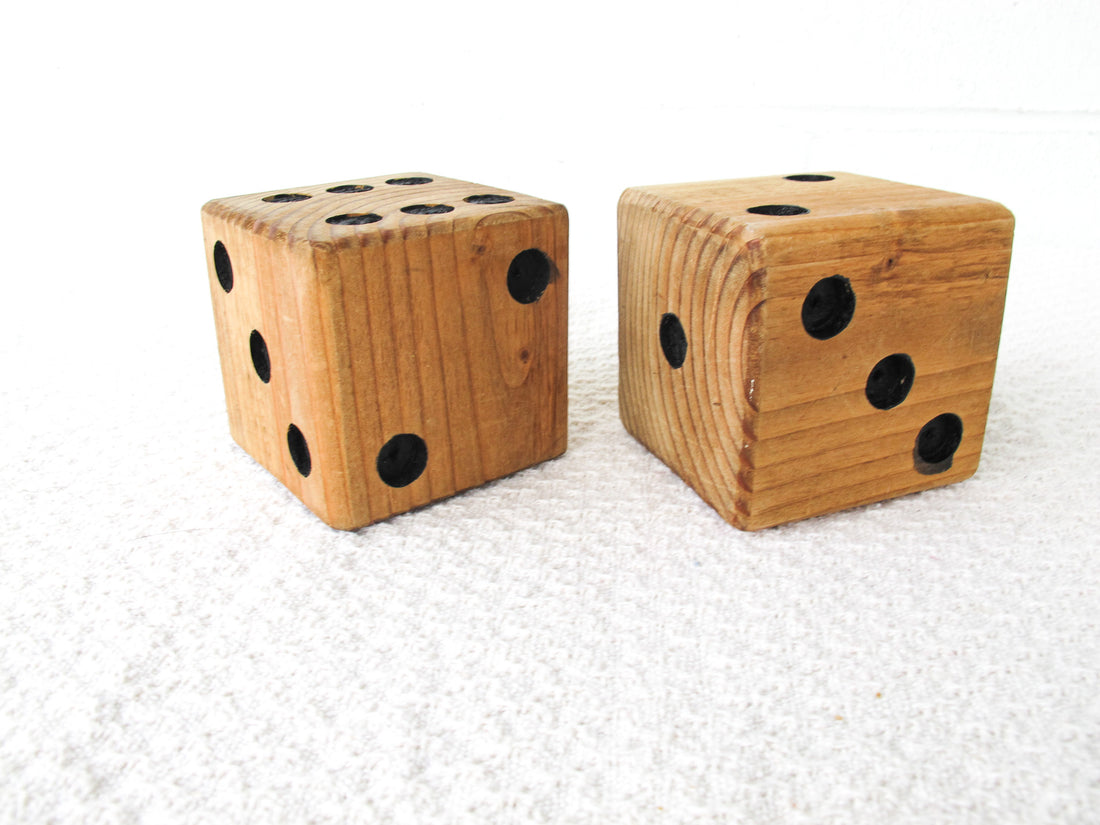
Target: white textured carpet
x: 583, y: 642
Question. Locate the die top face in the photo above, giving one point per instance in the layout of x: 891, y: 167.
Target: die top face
x: 376, y: 364
x: 836, y: 335
x: 372, y: 210
x: 764, y: 206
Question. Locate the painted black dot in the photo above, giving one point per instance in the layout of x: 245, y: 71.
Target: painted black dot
x: 286, y: 197
x: 487, y: 199
x: 828, y: 307
x: 810, y: 178
x: 299, y: 450
x: 408, y: 181
x: 890, y: 381
x: 427, y: 209
x: 261, y: 362
x: 778, y: 209
x: 936, y: 444
x: 529, y: 275
x: 348, y: 188
x: 223, y: 267
x: 353, y: 219
x: 402, y: 460
x: 674, y: 343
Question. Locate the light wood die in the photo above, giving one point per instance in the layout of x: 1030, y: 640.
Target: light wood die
x: 795, y: 345
x: 390, y: 341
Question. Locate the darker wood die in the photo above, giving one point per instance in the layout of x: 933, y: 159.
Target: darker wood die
x: 800, y: 344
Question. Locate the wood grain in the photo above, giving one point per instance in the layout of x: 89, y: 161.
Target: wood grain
x: 765, y: 422
x: 404, y: 325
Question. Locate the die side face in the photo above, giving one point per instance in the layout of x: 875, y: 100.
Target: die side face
x: 412, y: 351
x: 870, y: 343
x: 687, y: 294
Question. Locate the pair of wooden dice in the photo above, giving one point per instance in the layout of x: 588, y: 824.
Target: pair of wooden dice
x: 789, y: 345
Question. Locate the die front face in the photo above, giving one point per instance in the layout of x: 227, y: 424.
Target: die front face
x: 838, y: 337
x: 390, y: 341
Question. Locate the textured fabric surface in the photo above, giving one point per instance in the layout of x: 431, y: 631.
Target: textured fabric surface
x: 585, y: 641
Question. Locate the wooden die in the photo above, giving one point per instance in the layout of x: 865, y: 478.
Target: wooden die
x: 390, y: 341
x: 792, y: 346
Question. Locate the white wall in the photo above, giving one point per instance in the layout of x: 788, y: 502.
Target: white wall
x: 123, y: 119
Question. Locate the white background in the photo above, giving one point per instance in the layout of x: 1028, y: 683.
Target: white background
x: 181, y: 641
